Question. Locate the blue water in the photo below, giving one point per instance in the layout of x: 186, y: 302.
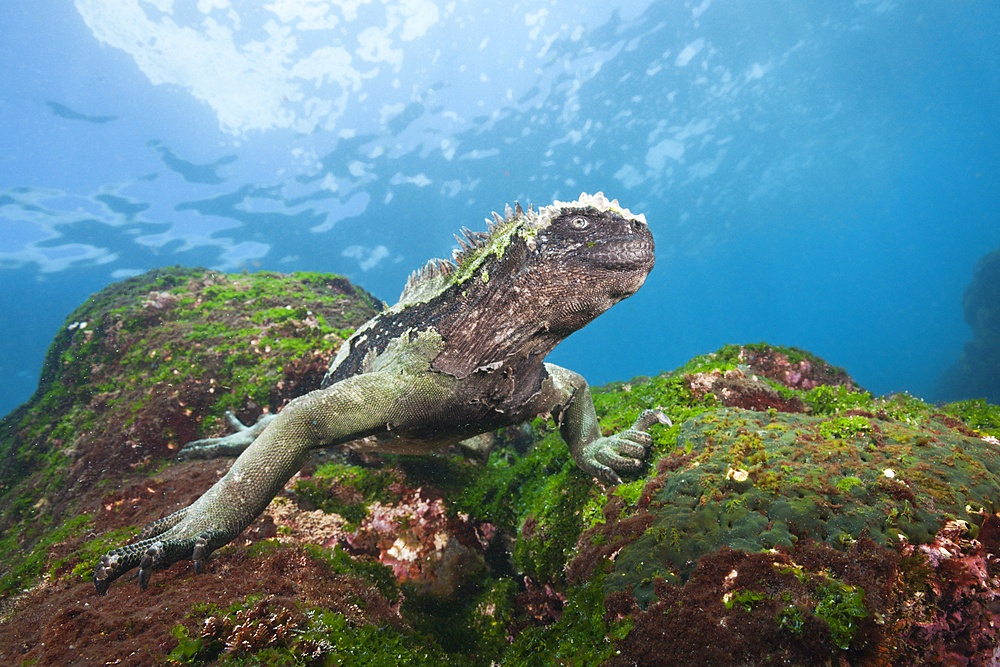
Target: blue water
x: 817, y: 174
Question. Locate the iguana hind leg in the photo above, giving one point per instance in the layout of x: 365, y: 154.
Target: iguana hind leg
x: 161, y: 542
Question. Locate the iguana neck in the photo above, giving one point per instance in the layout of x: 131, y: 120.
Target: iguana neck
x: 504, y: 315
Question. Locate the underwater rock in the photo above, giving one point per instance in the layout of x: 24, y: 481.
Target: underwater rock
x: 954, y: 610
x: 976, y: 374
x: 825, y: 478
x: 734, y: 389
x: 798, y: 606
x: 787, y: 515
x: 150, y: 363
x: 809, y: 537
x: 140, y: 368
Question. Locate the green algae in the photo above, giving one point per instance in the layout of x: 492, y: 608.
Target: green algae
x: 35, y: 564
x: 746, y: 599
x: 826, y: 400
x: 977, y: 414
x: 474, y: 627
x: 816, y: 481
x: 40, y: 563
x: 346, y: 490
x: 844, y: 427
x: 540, y: 498
x: 326, y: 638
x: 581, y: 636
x: 840, y: 605
x: 846, y: 484
x: 142, y: 366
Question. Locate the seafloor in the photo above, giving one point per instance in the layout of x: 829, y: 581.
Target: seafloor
x: 787, y: 517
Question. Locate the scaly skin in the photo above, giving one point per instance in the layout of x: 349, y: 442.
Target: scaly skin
x: 461, y: 354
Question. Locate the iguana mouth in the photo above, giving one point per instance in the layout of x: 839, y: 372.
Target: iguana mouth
x: 628, y: 254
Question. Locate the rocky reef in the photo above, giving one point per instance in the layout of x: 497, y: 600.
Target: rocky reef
x: 788, y: 516
x: 977, y: 371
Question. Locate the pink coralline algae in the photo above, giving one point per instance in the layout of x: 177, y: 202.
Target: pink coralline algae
x: 160, y: 300
x: 743, y: 387
x: 793, y: 373
x: 421, y: 543
x: 955, y: 615
x: 798, y: 378
x: 805, y: 373
x: 734, y: 389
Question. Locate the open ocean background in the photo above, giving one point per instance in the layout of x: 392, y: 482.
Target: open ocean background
x: 816, y: 173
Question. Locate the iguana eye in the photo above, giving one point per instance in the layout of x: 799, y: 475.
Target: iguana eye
x: 579, y: 223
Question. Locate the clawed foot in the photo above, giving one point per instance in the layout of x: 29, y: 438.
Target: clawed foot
x: 194, y: 532
x: 149, y: 555
x: 229, y: 445
x: 622, y: 452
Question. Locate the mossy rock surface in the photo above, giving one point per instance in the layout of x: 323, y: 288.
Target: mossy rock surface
x: 151, y: 363
x: 755, y: 481
x: 789, y: 517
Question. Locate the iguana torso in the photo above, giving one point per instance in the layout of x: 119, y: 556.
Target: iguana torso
x: 461, y: 354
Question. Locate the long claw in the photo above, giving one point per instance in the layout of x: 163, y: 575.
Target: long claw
x: 200, y: 554
x: 152, y: 558
x: 650, y: 417
x: 606, y: 474
x: 151, y: 554
x: 103, y: 571
x: 235, y: 422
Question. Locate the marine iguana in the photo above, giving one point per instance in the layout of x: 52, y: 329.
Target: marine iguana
x: 461, y: 354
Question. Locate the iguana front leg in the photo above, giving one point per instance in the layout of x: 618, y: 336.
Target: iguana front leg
x: 353, y: 408
x: 567, y: 396
x: 228, y: 445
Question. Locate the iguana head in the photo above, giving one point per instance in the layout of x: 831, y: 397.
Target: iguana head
x: 588, y: 255
x: 615, y: 246
x: 533, y: 279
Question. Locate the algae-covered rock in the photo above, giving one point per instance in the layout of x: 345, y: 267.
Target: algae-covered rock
x: 756, y: 481
x: 136, y: 371
x: 806, y: 536
x: 152, y: 362
x: 787, y: 516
